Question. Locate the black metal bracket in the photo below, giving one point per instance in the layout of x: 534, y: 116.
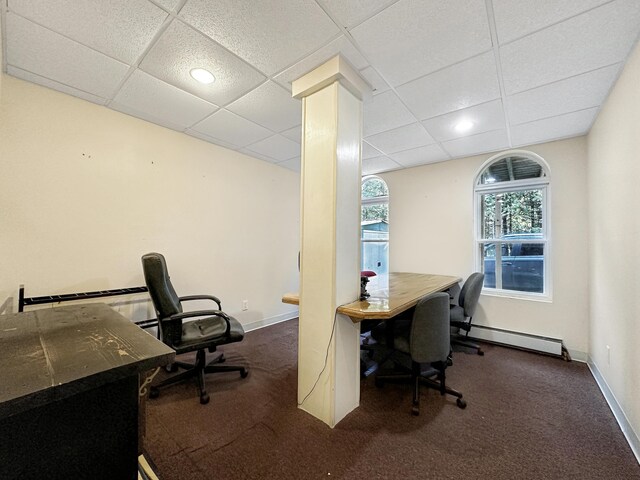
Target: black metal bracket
x: 69, y: 297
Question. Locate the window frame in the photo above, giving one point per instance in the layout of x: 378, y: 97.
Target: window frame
x: 382, y: 200
x: 542, y: 183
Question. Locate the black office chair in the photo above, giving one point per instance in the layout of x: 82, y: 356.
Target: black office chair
x: 462, y: 313
x: 211, y: 329
x: 420, y: 346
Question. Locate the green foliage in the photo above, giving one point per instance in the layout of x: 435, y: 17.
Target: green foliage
x: 374, y: 187
x: 375, y: 212
x: 520, y: 212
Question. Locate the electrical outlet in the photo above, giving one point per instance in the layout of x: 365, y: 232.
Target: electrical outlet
x: 245, y: 305
x: 608, y: 355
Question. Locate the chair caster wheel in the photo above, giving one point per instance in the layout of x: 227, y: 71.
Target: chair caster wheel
x: 243, y: 373
x: 154, y: 392
x: 480, y: 352
x: 222, y: 359
x: 461, y: 403
x: 204, y: 399
x: 415, y: 411
x: 378, y: 383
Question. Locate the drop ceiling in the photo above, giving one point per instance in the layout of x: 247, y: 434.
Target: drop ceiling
x: 519, y: 72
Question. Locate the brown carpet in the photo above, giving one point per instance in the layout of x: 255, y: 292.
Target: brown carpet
x: 528, y: 417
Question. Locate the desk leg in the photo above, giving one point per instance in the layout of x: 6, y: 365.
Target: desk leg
x: 93, y: 434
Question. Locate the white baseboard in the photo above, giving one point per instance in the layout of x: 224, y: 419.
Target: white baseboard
x: 265, y: 322
x: 618, y: 413
x: 578, y: 356
x: 527, y: 341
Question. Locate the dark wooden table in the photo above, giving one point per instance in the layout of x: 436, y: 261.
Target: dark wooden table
x: 69, y: 392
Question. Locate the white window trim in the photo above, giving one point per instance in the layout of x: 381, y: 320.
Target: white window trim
x: 543, y: 183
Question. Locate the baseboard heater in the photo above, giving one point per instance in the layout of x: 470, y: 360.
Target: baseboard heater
x: 524, y: 341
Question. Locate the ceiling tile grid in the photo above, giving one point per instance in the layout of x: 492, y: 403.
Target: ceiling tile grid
x: 270, y: 35
x: 121, y: 29
x: 231, y: 128
x: 180, y: 48
x: 41, y: 51
x: 402, y: 138
x: 271, y: 106
x: 482, y: 118
x: 421, y: 155
x: 516, y: 72
x: 276, y: 147
x: 434, y: 32
x: 142, y: 91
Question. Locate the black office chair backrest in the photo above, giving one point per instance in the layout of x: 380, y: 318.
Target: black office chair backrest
x: 156, y: 276
x: 470, y: 293
x: 430, y: 331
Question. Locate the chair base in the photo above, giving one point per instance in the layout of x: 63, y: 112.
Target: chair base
x: 198, y: 370
x: 462, y: 341
x: 418, y: 377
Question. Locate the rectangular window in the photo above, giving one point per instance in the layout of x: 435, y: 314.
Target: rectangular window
x: 512, y: 239
x: 375, y: 238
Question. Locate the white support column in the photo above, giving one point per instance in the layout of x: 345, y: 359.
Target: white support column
x: 328, y: 346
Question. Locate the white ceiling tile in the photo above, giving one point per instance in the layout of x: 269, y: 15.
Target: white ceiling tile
x: 257, y: 155
x: 575, y: 93
x: 338, y: 46
x: 271, y: 106
x: 463, y: 85
x: 167, y: 4
x: 421, y: 156
x: 247, y: 29
x: 517, y: 18
x: 277, y: 147
x: 374, y: 165
x: 150, y: 96
x: 352, y: 12
x: 231, y: 128
x: 291, y: 164
x: 180, y: 49
x: 563, y: 126
x: 40, y: 51
x: 119, y: 28
x: 485, y: 117
x: 369, y: 152
x: 481, y: 143
x: 163, y: 122
x: 384, y: 112
x: 30, y: 77
x: 375, y: 80
x: 209, y: 139
x: 403, y: 138
x: 575, y: 46
x: 435, y: 33
x: 294, y: 134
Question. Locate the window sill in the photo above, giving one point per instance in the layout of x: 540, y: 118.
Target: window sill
x: 534, y: 297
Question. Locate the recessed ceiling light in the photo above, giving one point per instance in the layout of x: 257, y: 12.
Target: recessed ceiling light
x: 464, y: 126
x: 203, y: 76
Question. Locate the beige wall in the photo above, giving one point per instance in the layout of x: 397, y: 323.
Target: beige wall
x: 431, y: 230
x: 614, y: 212
x: 86, y: 191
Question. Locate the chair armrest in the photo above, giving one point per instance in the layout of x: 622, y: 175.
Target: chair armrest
x: 201, y: 297
x: 202, y: 313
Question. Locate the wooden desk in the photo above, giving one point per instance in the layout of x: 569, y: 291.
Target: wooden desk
x: 405, y: 289
x: 69, y: 392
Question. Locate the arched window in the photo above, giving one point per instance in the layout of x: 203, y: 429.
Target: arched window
x: 374, y: 227
x: 512, y: 224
